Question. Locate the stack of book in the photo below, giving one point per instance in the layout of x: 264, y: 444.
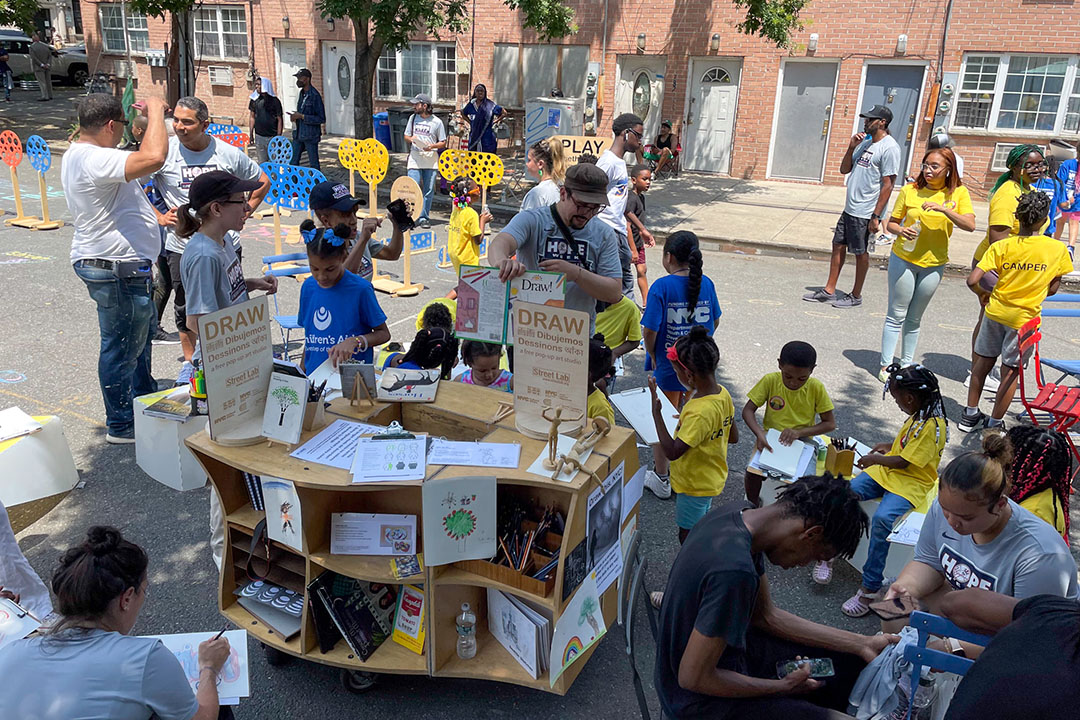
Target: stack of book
x: 522, y: 629
x: 361, y: 612
x: 253, y: 483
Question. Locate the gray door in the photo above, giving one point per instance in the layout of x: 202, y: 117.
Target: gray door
x: 802, y: 120
x: 897, y: 88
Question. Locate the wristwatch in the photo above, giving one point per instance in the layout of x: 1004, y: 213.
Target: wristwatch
x: 954, y: 647
x: 875, y: 216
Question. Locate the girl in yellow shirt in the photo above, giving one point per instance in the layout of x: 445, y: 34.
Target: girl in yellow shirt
x: 698, y: 452
x: 1041, y: 466
x: 466, y: 226
x: 601, y: 366
x: 901, y: 474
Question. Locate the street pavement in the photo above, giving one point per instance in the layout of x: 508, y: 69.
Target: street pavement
x: 48, y: 361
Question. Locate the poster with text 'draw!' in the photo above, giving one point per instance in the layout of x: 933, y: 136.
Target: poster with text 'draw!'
x: 238, y: 358
x: 551, y: 368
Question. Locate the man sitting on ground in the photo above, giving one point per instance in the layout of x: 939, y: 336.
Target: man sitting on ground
x: 721, y: 637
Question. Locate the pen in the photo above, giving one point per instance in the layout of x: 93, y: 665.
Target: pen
x: 220, y: 633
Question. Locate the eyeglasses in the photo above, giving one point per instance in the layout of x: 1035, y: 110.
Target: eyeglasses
x: 587, y: 208
x: 121, y: 121
x: 1036, y: 165
x: 932, y: 168
x: 635, y: 132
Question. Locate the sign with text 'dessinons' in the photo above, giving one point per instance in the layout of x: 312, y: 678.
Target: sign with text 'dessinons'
x: 551, y: 368
x: 238, y: 358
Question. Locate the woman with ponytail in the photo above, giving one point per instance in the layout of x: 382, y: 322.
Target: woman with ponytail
x: 466, y: 226
x: 677, y: 302
x: 547, y: 164
x: 87, y: 665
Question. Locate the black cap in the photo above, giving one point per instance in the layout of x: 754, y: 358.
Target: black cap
x: 878, y: 112
x: 588, y: 183
x: 303, y: 73
x: 332, y: 196
x: 217, y: 185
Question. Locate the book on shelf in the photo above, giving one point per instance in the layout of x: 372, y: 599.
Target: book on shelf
x: 409, y: 619
x: 278, y: 607
x: 521, y: 629
x: 253, y: 483
x: 362, y: 611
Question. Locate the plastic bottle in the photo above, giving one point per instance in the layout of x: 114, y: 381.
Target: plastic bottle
x: 466, y: 630
x: 924, y: 698
x: 822, y: 454
x: 909, y: 243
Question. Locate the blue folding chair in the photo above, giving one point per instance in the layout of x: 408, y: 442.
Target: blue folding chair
x: 287, y: 323
x: 921, y: 656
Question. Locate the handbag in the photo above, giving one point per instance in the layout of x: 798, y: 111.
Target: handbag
x: 259, y: 536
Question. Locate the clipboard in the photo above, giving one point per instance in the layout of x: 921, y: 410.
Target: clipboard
x: 636, y: 406
x: 390, y: 456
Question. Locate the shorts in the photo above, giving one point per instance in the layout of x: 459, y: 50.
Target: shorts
x: 691, y: 508
x: 1072, y: 215
x: 995, y: 340
x: 639, y: 256
x: 853, y: 232
x: 179, y: 297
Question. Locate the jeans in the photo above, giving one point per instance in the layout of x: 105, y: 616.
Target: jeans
x: 910, y: 290
x: 311, y: 145
x: 126, y: 316
x: 426, y: 180
x: 262, y: 147
x: 163, y: 286
x: 890, y: 508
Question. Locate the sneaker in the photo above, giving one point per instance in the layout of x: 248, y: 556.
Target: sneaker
x: 187, y: 371
x: 656, y: 597
x: 165, y: 338
x: 659, y: 486
x: 122, y: 439
x: 423, y: 222
x: 822, y: 572
x: 990, y: 384
x: 883, y: 376
x: 970, y: 422
x: 846, y: 300
x: 820, y: 296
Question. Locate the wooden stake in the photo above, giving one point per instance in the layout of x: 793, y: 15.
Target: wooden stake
x: 408, y: 289
x: 20, y: 220
x: 277, y: 231
x: 46, y: 223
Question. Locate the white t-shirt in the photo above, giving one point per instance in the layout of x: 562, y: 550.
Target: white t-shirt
x: 545, y: 193
x: 614, y: 215
x: 183, y: 165
x: 425, y: 131
x: 112, y: 217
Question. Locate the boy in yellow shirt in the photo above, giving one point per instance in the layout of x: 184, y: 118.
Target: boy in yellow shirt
x: 620, y: 326
x: 1012, y: 280
x: 793, y: 401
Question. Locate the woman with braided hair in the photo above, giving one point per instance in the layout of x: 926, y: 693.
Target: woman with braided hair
x: 902, y: 473
x: 1041, y: 469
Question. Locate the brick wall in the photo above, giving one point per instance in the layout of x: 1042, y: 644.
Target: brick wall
x: 679, y: 30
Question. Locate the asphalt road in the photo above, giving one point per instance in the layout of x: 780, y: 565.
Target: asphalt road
x: 48, y: 356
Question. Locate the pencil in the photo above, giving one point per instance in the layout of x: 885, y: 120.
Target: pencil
x: 220, y: 633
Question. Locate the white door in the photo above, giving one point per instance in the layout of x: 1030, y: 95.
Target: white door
x: 291, y: 57
x: 338, y: 60
x: 640, y: 90
x: 710, y: 116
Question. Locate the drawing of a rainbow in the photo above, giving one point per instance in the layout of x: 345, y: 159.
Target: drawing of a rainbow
x: 573, y: 648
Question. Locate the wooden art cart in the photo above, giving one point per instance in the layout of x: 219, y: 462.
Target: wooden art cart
x: 461, y: 412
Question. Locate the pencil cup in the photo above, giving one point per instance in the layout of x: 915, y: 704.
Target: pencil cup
x: 314, y: 415
x: 839, y: 462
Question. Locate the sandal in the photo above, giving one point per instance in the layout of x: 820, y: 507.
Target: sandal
x: 822, y: 572
x: 656, y: 597
x: 858, y: 604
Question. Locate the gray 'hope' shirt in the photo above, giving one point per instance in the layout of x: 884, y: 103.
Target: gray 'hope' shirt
x: 870, y: 161
x: 1028, y: 557
x: 212, y: 277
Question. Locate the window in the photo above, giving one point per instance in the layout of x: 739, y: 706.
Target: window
x: 642, y: 96
x: 120, y: 26
x: 1035, y: 93
x: 1001, y: 153
x: 221, y: 32
x: 420, y: 68
x: 716, y: 75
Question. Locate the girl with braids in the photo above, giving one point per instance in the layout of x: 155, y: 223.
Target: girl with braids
x: 1041, y: 468
x: 601, y: 366
x: 698, y: 452
x: 434, y: 347
x: 546, y: 162
x: 677, y: 302
x: 342, y: 319
x: 466, y: 226
x: 902, y: 473
x: 1027, y: 268
x: 95, y: 669
x: 974, y: 536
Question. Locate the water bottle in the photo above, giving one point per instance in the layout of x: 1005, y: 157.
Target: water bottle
x: 909, y: 243
x: 466, y: 631
x: 822, y: 455
x: 923, y: 705
x: 871, y: 243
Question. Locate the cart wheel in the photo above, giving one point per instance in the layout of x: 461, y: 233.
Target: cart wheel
x: 358, y: 681
x: 274, y: 657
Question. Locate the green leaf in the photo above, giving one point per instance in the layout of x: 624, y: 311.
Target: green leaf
x: 774, y: 20
x: 19, y: 13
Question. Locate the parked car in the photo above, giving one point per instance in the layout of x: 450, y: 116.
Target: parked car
x: 69, y: 65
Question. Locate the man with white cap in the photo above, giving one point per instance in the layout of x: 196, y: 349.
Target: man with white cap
x: 426, y: 136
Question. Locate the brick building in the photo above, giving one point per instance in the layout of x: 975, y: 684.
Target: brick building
x: 740, y: 106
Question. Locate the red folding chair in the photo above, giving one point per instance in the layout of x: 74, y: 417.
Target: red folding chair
x: 1061, y: 403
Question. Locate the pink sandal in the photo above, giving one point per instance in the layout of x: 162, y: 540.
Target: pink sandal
x: 822, y: 572
x: 858, y: 604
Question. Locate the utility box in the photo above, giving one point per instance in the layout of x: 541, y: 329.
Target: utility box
x: 547, y: 116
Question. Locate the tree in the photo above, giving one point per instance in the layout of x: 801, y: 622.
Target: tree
x: 19, y: 13
x: 774, y: 20
x: 386, y: 25
x: 180, y: 13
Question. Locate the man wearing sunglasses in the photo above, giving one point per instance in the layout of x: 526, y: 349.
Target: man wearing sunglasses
x: 563, y: 237
x: 628, y: 130
x: 116, y: 240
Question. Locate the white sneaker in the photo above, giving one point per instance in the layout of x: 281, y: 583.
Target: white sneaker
x: 992, y: 382
x: 187, y: 371
x: 660, y: 487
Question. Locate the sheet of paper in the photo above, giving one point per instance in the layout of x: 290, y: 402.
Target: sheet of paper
x: 15, y: 423
x: 234, y: 683
x: 404, y: 385
x: 619, y: 369
x: 372, y: 534
x: 908, y: 529
x: 804, y: 467
x: 336, y: 444
x: 286, y: 399
x: 328, y: 373
x: 565, y: 444
x: 284, y: 522
x: 15, y: 622
x: 631, y: 493
x: 636, y: 406
x: 602, y: 524
x: 380, y: 460
x: 542, y: 619
x: 539, y: 288
x: 579, y: 628
x: 514, y: 630
x: 459, y: 519
x: 479, y: 454
x: 860, y: 448
x: 481, y: 305
x: 784, y: 459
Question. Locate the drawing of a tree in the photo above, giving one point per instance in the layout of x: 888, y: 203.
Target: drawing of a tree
x: 588, y: 607
x: 286, y: 398
x: 459, y: 525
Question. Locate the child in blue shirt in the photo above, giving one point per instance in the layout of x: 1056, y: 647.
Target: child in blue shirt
x: 342, y: 319
x: 1070, y: 215
x: 677, y: 302
x: 1059, y: 199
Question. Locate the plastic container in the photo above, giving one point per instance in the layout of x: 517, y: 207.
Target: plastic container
x: 381, y: 121
x: 910, y: 243
x: 466, y: 630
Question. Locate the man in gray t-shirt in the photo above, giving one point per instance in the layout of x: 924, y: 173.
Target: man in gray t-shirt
x: 1027, y: 558
x: 872, y: 162
x: 589, y: 258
